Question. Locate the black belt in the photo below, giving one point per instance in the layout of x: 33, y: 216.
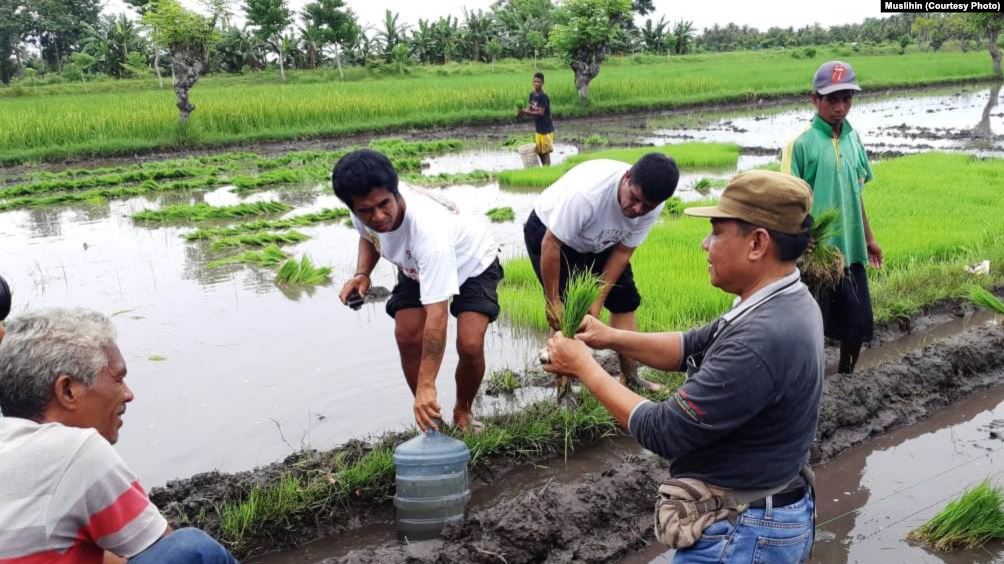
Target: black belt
x: 781, y: 499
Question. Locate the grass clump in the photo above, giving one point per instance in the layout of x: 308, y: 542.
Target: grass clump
x: 500, y: 215
x: 984, y: 298
x: 205, y: 212
x: 302, y: 272
x: 596, y: 140
x: 705, y: 185
x: 969, y: 522
x: 673, y: 208
x: 263, y: 505
x: 502, y: 382
x: 262, y: 239
x: 686, y: 155
x: 822, y: 268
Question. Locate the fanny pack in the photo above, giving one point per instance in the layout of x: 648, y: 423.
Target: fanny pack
x: 685, y: 507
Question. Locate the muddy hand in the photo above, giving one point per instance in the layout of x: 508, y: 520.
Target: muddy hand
x: 427, y: 410
x: 359, y: 283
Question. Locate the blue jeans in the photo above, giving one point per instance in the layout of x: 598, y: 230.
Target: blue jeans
x: 764, y: 535
x: 185, y: 546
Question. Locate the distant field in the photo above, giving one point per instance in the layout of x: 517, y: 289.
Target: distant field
x: 115, y: 118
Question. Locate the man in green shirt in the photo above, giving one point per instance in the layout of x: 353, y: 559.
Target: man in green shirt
x: 829, y: 156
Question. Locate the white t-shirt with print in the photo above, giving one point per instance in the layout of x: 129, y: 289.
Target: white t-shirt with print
x: 582, y: 210
x: 433, y: 246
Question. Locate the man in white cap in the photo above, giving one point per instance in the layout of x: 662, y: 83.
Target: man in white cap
x: 829, y: 156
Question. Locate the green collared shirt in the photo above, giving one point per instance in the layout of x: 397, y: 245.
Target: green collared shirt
x: 837, y: 170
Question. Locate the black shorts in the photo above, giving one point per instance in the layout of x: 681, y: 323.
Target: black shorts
x: 478, y: 294
x: 622, y: 298
x: 847, y: 308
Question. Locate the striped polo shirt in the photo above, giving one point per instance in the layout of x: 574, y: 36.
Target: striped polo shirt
x: 67, y: 496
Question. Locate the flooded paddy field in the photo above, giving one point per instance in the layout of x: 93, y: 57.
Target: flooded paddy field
x: 232, y: 372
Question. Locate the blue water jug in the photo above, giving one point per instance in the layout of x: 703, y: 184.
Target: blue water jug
x: 432, y: 485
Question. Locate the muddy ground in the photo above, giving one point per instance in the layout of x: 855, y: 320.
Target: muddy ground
x: 522, y: 527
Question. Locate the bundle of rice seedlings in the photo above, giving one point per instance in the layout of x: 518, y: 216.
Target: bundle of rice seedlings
x: 271, y: 255
x: 823, y: 267
x: 302, y: 273
x: 259, y: 240
x: 673, y: 207
x: 969, y: 522
x: 499, y: 215
x: 981, y: 297
x: 581, y: 291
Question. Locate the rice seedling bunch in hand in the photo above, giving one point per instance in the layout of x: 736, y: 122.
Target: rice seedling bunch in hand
x: 969, y: 522
x: 981, y: 297
x: 822, y: 267
x: 580, y: 293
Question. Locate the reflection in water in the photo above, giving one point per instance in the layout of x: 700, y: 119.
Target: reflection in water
x: 983, y: 129
x: 45, y: 222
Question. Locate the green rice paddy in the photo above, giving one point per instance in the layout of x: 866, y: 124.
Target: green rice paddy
x: 926, y: 245
x: 501, y: 215
x: 143, y: 117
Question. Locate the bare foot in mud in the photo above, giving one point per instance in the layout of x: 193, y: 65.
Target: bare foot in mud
x: 466, y: 421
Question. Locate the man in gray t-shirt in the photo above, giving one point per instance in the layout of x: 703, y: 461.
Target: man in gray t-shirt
x: 746, y: 415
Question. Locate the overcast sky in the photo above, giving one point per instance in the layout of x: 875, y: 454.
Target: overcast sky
x: 761, y: 15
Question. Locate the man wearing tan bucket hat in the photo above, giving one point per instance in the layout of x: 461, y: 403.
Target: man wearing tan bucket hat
x: 738, y: 431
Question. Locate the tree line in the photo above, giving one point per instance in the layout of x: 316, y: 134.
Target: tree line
x: 72, y: 37
x: 73, y: 40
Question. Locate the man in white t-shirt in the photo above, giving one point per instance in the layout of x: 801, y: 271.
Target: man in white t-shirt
x: 66, y: 497
x: 594, y: 217
x: 446, y: 262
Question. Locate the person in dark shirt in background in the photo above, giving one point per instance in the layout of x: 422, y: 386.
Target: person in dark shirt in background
x: 540, y: 109
x: 742, y: 424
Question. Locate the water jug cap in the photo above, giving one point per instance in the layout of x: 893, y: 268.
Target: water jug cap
x: 431, y: 447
